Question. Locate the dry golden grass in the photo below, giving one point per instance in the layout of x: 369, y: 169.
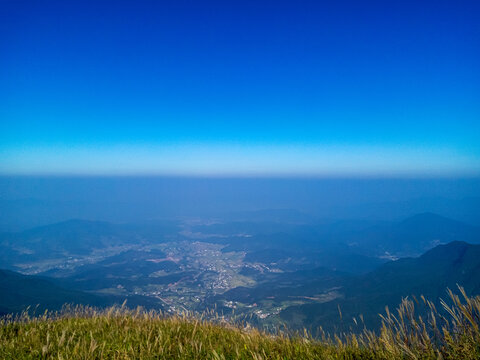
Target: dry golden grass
x: 119, y: 333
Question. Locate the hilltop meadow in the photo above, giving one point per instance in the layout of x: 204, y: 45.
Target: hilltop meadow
x: 78, y: 332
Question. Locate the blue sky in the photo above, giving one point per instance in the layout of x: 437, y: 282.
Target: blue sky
x: 299, y: 88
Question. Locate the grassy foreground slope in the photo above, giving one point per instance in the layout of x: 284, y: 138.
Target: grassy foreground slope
x: 119, y: 333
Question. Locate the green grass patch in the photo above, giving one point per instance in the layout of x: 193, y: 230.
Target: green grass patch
x: 120, y: 333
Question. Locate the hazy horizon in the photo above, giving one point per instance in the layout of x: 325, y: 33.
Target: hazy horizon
x: 31, y: 201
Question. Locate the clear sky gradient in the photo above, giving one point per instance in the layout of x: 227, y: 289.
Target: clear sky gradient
x: 241, y: 88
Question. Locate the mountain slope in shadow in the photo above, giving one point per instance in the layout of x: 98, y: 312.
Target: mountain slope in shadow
x: 17, y: 292
x: 431, y: 274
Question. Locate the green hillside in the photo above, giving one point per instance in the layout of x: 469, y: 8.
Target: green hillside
x: 118, y: 333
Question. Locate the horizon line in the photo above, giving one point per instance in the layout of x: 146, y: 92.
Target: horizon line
x: 253, y: 176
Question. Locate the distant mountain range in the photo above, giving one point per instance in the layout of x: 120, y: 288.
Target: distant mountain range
x: 352, y: 246
x: 265, y: 229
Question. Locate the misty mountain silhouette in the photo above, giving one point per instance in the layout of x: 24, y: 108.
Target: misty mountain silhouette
x: 412, y: 236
